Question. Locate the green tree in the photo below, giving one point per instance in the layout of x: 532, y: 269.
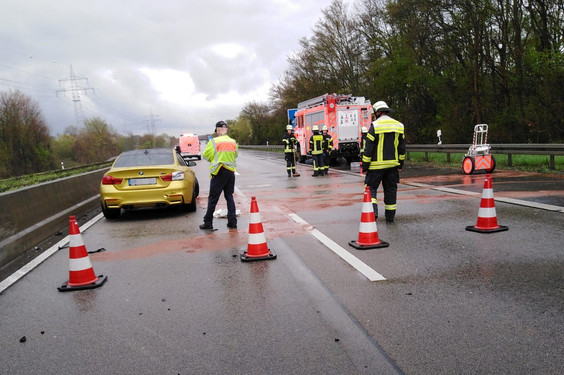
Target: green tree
x: 96, y: 141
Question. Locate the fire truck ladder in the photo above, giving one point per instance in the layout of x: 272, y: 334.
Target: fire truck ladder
x: 321, y: 99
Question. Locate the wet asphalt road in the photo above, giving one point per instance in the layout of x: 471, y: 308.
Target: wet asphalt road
x: 180, y: 301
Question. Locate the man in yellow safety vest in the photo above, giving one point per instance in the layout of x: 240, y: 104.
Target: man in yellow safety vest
x: 222, y: 153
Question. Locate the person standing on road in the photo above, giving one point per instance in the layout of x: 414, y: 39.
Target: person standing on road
x: 316, y: 147
x: 222, y: 153
x: 363, y: 132
x: 328, y: 147
x: 290, y: 144
x: 383, y: 157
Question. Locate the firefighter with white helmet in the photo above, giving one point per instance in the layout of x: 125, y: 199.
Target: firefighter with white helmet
x: 383, y: 157
x: 327, y: 148
x: 363, y: 133
x: 316, y: 146
x: 290, y: 144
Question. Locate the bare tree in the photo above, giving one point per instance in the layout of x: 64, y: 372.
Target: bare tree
x: 24, y: 137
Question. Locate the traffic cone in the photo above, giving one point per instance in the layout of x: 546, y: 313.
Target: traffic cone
x: 257, y: 249
x: 368, y: 232
x: 487, y: 220
x: 81, y: 273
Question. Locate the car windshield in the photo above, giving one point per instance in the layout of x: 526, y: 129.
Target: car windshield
x: 145, y: 158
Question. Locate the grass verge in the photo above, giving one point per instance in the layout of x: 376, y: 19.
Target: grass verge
x: 37, y: 178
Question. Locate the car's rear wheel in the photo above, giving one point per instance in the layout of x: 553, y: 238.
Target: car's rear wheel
x: 110, y: 213
x: 191, y: 207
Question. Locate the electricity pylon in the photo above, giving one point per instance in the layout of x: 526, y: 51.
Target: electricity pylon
x: 75, y: 88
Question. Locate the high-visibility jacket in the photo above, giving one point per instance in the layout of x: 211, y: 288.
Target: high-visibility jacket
x: 385, y: 144
x: 289, y: 142
x: 316, y: 144
x: 328, y: 142
x: 362, y: 143
x: 221, y: 152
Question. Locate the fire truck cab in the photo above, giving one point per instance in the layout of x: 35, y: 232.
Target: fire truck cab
x: 189, y: 146
x: 344, y: 116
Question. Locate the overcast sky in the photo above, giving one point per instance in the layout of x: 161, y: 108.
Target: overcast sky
x: 179, y: 65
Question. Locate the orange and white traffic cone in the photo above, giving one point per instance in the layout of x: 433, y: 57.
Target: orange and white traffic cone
x: 257, y: 249
x: 368, y: 232
x: 81, y: 273
x: 487, y: 220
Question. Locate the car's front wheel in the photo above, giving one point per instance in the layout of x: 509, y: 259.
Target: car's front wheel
x: 110, y: 213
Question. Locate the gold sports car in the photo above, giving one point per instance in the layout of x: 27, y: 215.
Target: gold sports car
x: 156, y: 177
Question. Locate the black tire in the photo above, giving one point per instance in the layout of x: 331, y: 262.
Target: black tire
x: 191, y: 207
x: 111, y: 213
x: 197, y: 188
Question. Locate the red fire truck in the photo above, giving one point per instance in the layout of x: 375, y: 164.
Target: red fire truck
x: 344, y: 116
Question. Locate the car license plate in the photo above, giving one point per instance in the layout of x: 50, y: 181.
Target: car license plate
x: 142, y: 181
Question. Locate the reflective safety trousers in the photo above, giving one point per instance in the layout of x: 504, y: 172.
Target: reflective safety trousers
x: 385, y: 144
x: 221, y: 151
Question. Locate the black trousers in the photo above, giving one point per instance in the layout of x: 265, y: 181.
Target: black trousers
x: 389, y: 178
x: 318, y: 165
x: 290, y: 162
x: 223, y: 181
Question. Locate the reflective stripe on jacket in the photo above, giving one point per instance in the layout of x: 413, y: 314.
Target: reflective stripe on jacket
x: 385, y: 144
x: 289, y: 142
x: 316, y: 143
x: 221, y: 151
x: 328, y: 142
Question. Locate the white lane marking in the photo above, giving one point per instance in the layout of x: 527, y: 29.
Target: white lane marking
x: 519, y: 202
x: 359, y: 265
x: 10, y: 280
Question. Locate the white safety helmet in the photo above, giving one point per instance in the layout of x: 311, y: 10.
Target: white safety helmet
x: 364, y: 129
x: 381, y: 106
x: 324, y: 128
x: 289, y: 127
x: 315, y: 128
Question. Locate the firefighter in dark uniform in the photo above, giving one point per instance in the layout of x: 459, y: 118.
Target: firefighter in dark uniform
x: 290, y: 144
x: 327, y: 150
x: 383, y: 157
x: 364, y: 132
x: 316, y: 147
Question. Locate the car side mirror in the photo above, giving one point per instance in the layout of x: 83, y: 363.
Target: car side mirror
x: 190, y: 163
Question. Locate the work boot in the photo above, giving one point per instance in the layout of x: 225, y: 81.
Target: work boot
x: 390, y: 217
x: 232, y: 225
x: 315, y: 174
x: 206, y: 226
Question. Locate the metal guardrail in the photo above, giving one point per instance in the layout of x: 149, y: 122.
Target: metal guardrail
x: 549, y: 149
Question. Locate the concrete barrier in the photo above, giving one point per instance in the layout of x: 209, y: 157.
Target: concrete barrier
x: 32, y: 214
